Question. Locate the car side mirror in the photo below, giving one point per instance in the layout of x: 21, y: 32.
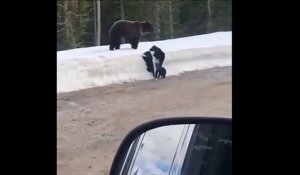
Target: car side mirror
x: 177, y: 146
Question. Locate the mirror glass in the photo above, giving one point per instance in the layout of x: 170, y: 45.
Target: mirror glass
x: 189, y: 149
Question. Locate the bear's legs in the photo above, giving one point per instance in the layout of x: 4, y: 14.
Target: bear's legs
x: 118, y: 43
x: 149, y: 63
x: 115, y: 43
x: 134, y: 43
x: 111, y: 46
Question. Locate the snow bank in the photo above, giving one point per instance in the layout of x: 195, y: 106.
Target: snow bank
x: 97, y: 66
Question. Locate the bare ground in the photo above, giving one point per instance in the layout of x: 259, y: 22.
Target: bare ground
x: 93, y: 122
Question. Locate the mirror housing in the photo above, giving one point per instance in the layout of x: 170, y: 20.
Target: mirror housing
x: 120, y: 157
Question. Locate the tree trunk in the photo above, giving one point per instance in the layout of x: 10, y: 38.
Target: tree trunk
x: 122, y: 9
x: 156, y: 16
x: 95, y: 21
x: 171, y: 19
x: 208, y: 27
x: 208, y: 7
x: 66, y: 21
x: 98, y: 22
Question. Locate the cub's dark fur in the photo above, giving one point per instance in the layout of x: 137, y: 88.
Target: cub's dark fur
x: 154, y: 59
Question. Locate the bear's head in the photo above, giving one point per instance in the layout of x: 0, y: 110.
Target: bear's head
x: 147, y: 27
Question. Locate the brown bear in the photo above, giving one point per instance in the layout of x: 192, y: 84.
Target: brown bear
x: 131, y: 31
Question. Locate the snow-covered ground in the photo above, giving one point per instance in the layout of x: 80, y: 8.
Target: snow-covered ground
x: 98, y: 66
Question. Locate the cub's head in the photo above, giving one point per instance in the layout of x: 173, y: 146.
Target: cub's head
x: 161, y: 72
x: 155, y: 48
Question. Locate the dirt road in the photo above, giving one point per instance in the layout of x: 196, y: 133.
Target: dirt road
x: 93, y: 122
